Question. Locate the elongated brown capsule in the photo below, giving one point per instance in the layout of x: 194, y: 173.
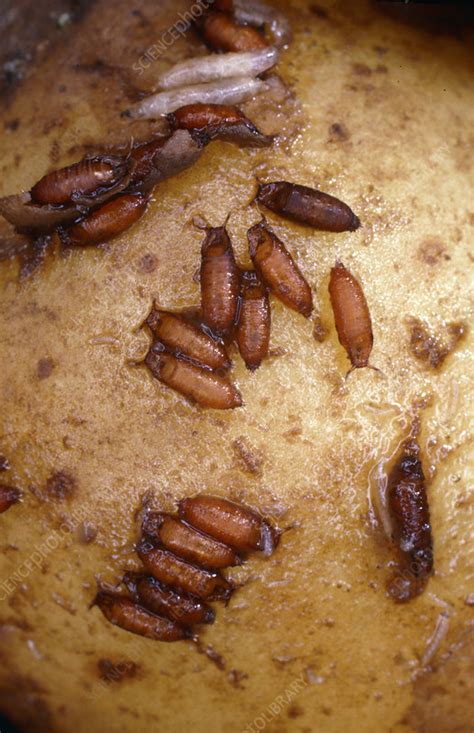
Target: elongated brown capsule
x: 351, y: 315
x: 307, y: 206
x: 172, y: 570
x: 220, y: 282
x: 9, y: 495
x: 159, y: 599
x: 219, y: 122
x: 231, y: 523
x: 221, y: 32
x: 199, y: 385
x: 192, y: 545
x: 108, y: 221
x: 142, y: 159
x: 184, y: 338
x: 278, y: 270
x: 253, y: 328
x: 411, y: 530
x: 130, y: 616
x: 89, y: 177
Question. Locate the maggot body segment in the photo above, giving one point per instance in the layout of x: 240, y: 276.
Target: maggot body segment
x: 307, y: 206
x: 278, y: 270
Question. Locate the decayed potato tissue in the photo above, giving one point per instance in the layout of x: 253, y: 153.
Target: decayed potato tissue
x: 380, y: 114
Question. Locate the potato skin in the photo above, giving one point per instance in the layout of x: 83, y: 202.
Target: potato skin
x: 312, y: 440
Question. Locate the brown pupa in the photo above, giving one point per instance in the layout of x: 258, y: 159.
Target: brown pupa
x: 185, y: 338
x: 172, y: 570
x: 411, y: 529
x: 219, y: 122
x: 106, y: 222
x: 222, y: 33
x: 220, y: 282
x: 87, y: 178
x: 351, y: 316
x: 233, y: 524
x: 202, y: 386
x: 278, y: 270
x: 123, y: 612
x: 164, y: 601
x: 142, y: 159
x: 190, y: 544
x: 253, y: 328
x: 307, y: 206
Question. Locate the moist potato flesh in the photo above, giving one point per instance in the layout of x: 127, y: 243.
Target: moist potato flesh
x: 385, y: 124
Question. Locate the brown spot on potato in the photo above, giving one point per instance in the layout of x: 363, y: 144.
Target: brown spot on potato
x: 60, y: 485
x: 381, y: 69
x: 249, y: 458
x: 430, y: 348
x: 338, y: 133
x: 361, y: 69
x: 431, y: 250
x: 147, y: 263
x: 295, y: 711
x: 44, y: 367
x: 12, y: 125
x: 319, y: 11
x: 54, y: 152
x: 23, y: 693
x: 110, y: 671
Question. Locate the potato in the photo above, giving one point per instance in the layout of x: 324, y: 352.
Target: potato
x: 310, y: 642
